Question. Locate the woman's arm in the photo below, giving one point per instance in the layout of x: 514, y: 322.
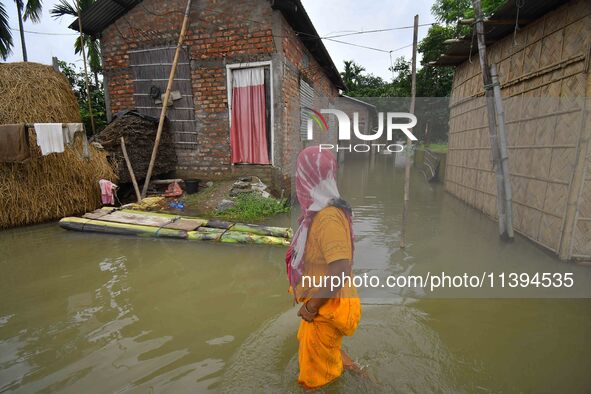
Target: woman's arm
x: 310, y: 308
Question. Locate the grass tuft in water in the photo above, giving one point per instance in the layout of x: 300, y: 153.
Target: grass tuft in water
x: 252, y: 207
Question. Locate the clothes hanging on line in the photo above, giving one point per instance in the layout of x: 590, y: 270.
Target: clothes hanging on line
x: 70, y: 130
x: 14, y: 143
x: 53, y: 137
x: 50, y: 137
x: 107, y: 192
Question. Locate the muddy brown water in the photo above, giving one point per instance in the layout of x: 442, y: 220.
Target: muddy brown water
x: 99, y: 313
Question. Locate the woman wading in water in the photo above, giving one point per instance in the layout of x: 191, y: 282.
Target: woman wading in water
x: 322, y: 246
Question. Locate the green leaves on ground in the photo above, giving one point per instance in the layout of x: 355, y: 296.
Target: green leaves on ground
x: 253, y: 207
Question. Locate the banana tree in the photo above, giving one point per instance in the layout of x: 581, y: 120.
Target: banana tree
x: 26, y: 10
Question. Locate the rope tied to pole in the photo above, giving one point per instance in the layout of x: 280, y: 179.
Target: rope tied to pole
x: 520, y: 4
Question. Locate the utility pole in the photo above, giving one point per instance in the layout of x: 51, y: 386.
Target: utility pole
x: 492, y: 121
x: 413, y: 95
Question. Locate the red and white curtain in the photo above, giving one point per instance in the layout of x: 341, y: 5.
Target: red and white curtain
x: 248, y: 135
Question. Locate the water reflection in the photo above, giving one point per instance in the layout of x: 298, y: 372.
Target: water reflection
x: 98, y: 313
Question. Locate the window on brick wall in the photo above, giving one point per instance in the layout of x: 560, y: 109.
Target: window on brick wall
x: 307, y: 95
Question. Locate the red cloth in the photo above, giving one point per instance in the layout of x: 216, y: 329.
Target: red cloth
x: 173, y: 190
x: 248, y: 135
x: 107, y: 192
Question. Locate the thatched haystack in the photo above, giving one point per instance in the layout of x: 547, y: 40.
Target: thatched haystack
x: 45, y: 187
x: 139, y: 132
x: 34, y: 92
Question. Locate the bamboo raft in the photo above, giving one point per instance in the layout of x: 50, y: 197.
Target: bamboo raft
x: 163, y: 225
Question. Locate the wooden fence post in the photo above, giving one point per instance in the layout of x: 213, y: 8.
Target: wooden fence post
x: 504, y: 154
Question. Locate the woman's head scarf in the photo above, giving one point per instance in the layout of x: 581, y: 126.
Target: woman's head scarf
x: 316, y: 188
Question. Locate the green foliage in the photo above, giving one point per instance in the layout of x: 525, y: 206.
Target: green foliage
x: 252, y: 207
x: 437, y: 148
x: 432, y: 82
x: 5, y: 33
x: 97, y: 96
x: 433, y: 44
x: 33, y: 9
x: 433, y: 85
x: 449, y: 12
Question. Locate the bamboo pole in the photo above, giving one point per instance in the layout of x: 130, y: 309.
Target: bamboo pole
x: 86, y: 81
x: 565, y: 251
x: 503, y: 152
x: 490, y: 111
x: 130, y: 169
x: 413, y: 95
x: 167, y: 97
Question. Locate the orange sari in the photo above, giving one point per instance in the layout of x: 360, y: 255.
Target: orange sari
x: 320, y: 360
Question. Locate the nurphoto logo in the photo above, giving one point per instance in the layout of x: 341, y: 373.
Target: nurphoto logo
x: 392, y: 122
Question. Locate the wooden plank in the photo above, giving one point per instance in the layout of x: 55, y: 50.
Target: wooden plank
x: 166, y: 181
x: 184, y: 224
x: 99, y: 213
x: 133, y: 218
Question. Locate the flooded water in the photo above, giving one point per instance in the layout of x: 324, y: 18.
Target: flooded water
x: 99, y: 313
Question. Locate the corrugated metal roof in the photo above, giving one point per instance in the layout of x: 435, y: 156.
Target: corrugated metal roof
x: 360, y: 102
x: 500, y: 24
x: 300, y: 22
x: 105, y: 12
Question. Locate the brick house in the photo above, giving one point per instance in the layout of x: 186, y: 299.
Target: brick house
x: 275, y: 39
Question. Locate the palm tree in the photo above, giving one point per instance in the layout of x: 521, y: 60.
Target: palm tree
x: 352, y: 74
x: 5, y: 34
x: 29, y: 10
x: 67, y: 8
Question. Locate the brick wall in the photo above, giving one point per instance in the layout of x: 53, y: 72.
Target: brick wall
x: 221, y: 32
x: 298, y: 64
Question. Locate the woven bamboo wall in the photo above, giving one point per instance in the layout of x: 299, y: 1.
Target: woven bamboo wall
x: 544, y: 73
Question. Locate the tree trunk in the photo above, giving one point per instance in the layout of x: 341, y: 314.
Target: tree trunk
x: 22, y: 31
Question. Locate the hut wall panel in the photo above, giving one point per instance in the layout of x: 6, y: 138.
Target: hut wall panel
x: 544, y: 81
x: 151, y: 67
x: 581, y: 247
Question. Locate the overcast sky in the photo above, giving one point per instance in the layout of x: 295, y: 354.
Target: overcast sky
x: 330, y: 17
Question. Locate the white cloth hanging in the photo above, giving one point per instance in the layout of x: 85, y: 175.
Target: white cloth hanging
x: 50, y: 137
x: 70, y: 130
x: 53, y: 137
